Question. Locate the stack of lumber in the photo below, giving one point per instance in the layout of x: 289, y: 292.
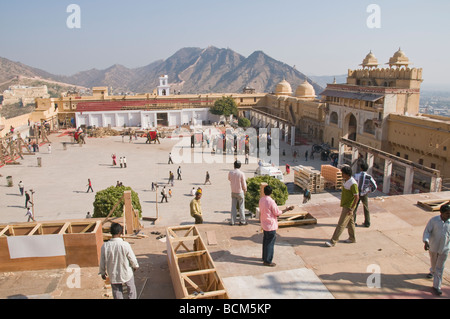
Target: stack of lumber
x: 308, y: 179
x: 332, y: 176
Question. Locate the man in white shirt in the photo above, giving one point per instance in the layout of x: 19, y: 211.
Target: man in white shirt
x: 119, y: 263
x: 436, y: 238
x: 238, y: 189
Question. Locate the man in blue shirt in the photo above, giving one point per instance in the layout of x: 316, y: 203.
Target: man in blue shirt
x: 436, y: 239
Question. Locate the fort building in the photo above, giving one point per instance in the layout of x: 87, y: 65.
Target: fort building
x: 377, y: 107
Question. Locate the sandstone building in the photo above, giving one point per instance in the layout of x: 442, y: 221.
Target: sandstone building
x: 377, y: 109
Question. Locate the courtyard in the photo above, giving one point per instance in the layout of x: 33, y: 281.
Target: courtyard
x: 305, y: 268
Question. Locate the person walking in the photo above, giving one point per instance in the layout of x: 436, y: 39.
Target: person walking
x: 124, y: 162
x: 179, y: 173
x: 196, y: 208
x: 114, y: 161
x: 21, y: 188
x: 306, y: 196
x: 238, y: 189
x: 27, y: 199
x: 118, y: 262
x: 89, y: 184
x: 207, y: 178
x: 306, y: 156
x: 437, y: 242
x: 164, y: 194
x: 366, y: 185
x: 170, y: 159
x: 30, y: 215
x: 269, y: 213
x: 349, y: 198
x: 121, y: 162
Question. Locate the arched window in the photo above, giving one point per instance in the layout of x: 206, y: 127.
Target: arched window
x: 334, y: 118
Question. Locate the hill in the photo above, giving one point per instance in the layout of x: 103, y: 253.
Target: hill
x: 190, y: 70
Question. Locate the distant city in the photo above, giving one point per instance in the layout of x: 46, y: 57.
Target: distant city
x: 435, y: 102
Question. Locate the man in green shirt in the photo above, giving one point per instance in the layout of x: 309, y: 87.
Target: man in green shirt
x: 196, y: 208
x: 349, y: 199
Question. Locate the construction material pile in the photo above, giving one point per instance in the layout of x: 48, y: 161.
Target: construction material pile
x: 332, y: 176
x: 103, y: 131
x: 308, y: 179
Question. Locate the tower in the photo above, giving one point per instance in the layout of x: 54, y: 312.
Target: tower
x: 164, y: 87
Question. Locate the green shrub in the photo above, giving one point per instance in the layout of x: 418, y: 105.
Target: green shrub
x: 244, y: 122
x: 107, y: 198
x: 280, y: 192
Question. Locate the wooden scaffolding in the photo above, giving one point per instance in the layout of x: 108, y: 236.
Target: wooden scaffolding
x: 192, y: 269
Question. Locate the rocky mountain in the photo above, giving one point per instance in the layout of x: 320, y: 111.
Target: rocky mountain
x: 190, y: 70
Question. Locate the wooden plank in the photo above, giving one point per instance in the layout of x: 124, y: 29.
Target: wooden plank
x: 433, y: 205
x: 64, y: 228
x: 211, y: 237
x: 87, y: 227
x: 209, y: 294
x: 191, y: 254
x: 198, y: 272
x: 38, y: 225
x: 2, y: 233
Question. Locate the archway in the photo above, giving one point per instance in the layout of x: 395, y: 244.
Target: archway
x: 351, y: 127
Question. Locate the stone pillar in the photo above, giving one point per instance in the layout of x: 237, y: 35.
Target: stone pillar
x: 286, y: 133
x: 409, y: 178
x: 370, y: 160
x: 292, y: 135
x: 436, y: 184
x: 355, y: 156
x: 341, y: 154
x: 387, y: 176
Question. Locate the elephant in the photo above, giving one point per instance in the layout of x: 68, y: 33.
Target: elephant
x: 80, y: 137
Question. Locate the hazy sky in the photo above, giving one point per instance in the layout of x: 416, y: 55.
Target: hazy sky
x: 318, y: 37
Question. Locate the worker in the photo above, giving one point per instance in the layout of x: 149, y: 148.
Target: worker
x: 118, y: 262
x: 196, y: 208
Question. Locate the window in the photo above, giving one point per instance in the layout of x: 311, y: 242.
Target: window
x: 421, y: 161
x: 433, y: 166
x: 406, y: 156
x: 398, y: 154
x: 369, y: 127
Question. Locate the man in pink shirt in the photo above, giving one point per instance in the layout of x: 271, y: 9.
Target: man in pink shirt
x: 269, y: 213
x: 238, y: 190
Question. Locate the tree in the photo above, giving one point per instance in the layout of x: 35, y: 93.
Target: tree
x: 244, y: 122
x: 224, y: 106
x: 107, y: 198
x: 280, y: 192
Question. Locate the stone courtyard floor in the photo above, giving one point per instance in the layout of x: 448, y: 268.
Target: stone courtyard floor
x: 391, y: 247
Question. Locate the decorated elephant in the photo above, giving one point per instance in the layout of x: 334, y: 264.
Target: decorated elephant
x: 80, y: 137
x: 152, y: 136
